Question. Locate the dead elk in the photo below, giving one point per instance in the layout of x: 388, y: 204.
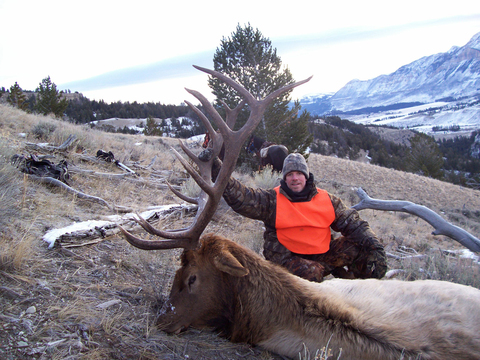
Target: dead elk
x: 234, y: 291
x: 224, y: 286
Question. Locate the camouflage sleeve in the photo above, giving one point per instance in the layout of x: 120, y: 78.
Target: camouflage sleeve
x: 349, y: 224
x: 255, y: 204
x: 258, y: 204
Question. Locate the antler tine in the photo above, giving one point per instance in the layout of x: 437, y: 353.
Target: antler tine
x: 216, y: 118
x: 244, y: 92
x: 199, y: 179
x: 217, y: 140
x: 232, y: 114
x: 249, y: 98
x: 201, y: 115
x: 285, y: 89
x: 155, y: 244
x: 182, y: 196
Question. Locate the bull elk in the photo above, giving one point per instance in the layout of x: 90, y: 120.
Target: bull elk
x: 230, y: 289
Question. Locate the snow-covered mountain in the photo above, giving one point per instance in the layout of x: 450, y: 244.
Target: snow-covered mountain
x: 441, y: 77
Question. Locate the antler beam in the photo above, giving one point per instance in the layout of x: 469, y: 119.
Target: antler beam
x: 211, y: 194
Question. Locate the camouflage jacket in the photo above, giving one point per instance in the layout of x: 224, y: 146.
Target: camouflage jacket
x: 260, y: 204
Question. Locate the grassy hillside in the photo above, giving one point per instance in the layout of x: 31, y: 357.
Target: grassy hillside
x: 95, y: 298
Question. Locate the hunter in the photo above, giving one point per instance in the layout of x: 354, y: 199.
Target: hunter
x: 299, y: 217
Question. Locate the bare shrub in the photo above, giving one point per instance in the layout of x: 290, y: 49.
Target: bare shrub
x: 440, y: 265
x: 190, y: 188
x: 10, y: 188
x: 43, y: 130
x: 267, y: 178
x: 248, y: 233
x: 16, y: 253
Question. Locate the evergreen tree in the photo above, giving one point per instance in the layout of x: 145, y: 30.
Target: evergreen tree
x: 17, y: 98
x: 249, y: 58
x: 50, y: 100
x: 425, y: 156
x: 293, y: 132
x: 152, y: 128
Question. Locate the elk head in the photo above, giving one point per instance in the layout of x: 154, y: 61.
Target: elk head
x: 193, y: 270
x: 203, y: 283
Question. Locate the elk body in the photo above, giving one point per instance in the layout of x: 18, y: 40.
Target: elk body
x: 230, y: 289
x: 224, y: 286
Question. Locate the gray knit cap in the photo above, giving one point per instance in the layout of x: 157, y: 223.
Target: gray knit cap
x: 295, y: 162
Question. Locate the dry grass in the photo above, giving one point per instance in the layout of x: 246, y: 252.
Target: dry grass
x: 66, y: 286
x: 267, y: 178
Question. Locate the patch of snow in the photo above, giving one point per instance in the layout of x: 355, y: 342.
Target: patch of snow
x: 52, y: 235
x: 466, y: 254
x: 197, y: 138
x: 424, y: 117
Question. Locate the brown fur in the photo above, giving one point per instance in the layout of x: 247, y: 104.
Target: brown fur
x: 248, y: 299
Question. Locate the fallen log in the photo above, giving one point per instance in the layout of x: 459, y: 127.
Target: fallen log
x: 46, y: 146
x: 75, y: 169
x: 87, y: 232
x: 442, y: 227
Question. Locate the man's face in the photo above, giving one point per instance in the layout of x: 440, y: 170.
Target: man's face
x: 296, y: 181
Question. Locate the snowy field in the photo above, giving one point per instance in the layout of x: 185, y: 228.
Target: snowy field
x: 425, y: 117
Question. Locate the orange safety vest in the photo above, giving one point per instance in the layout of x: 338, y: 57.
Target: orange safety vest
x: 304, y: 227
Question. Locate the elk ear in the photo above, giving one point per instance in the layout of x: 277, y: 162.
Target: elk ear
x: 226, y: 262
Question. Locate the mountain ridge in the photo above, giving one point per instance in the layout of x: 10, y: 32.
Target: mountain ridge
x: 444, y: 76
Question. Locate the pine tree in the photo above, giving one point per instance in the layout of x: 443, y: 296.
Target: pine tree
x: 152, y: 128
x: 425, y: 156
x: 249, y: 58
x: 17, y: 98
x: 50, y: 100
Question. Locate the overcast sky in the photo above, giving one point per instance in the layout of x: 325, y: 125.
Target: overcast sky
x: 144, y: 50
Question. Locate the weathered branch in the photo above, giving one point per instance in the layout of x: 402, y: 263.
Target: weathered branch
x: 442, y: 227
x: 75, y: 169
x: 79, y: 194
x: 69, y: 142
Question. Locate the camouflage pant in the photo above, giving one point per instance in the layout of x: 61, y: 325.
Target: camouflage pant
x: 345, y: 259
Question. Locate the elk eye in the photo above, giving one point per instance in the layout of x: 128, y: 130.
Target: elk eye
x: 191, y: 280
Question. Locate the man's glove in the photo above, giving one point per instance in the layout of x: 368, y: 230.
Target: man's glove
x: 377, y: 262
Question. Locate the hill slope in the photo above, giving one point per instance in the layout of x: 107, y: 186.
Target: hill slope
x: 95, y: 297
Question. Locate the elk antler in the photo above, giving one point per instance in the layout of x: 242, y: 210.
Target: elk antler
x: 211, y: 194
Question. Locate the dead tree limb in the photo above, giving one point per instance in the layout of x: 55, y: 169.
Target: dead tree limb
x: 79, y: 194
x: 71, y: 139
x: 442, y: 227
x: 75, y: 169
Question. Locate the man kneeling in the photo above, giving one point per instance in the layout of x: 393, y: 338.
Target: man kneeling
x: 298, y: 219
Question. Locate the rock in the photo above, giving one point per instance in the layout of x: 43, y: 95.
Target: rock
x: 108, y: 304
